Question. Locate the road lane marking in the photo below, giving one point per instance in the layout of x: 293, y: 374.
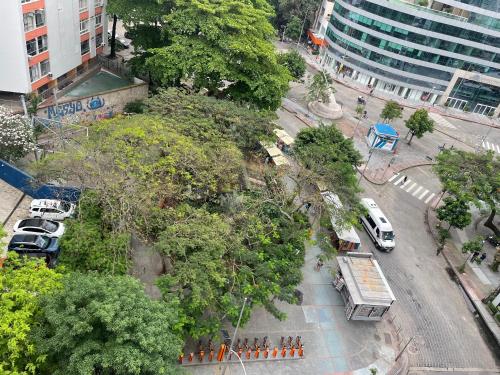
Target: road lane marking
x: 416, y: 191
x: 423, y: 194
x: 393, y: 177
x: 487, y: 145
x: 411, y: 187
x: 398, y: 181
x: 405, y: 184
x: 498, y: 148
x: 429, y: 198
x: 484, y: 146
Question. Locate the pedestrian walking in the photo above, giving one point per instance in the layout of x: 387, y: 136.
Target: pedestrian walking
x: 365, y: 114
x: 482, y: 257
x: 404, y: 180
x: 371, y: 92
x: 319, y: 264
x: 475, y: 254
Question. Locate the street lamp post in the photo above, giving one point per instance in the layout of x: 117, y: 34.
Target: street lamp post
x: 370, y: 153
x: 302, y: 29
x: 234, y: 336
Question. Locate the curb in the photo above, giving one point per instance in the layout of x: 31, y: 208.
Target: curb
x: 375, y: 182
x: 478, y: 305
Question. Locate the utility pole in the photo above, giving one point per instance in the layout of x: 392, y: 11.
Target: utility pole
x: 366, y: 165
x: 302, y: 29
x: 234, y: 335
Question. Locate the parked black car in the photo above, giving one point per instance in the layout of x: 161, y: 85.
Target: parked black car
x: 38, y: 246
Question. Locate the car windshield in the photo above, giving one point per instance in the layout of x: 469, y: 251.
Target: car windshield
x: 387, y: 236
x: 42, y: 242
x: 65, y: 206
x: 49, y: 226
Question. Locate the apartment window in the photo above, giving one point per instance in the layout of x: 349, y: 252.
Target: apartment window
x: 98, y: 40
x: 39, y: 18
x: 98, y: 3
x: 31, y: 47
x: 29, y: 21
x: 34, y: 73
x: 98, y: 20
x: 25, y: 1
x: 44, y: 67
x: 85, y: 46
x: 82, y: 4
x: 84, y: 26
x: 42, y: 43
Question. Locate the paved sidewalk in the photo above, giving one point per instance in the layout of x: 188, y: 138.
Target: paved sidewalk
x: 333, y: 345
x: 315, y: 61
x: 473, y: 286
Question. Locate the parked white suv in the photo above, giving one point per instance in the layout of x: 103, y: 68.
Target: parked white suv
x: 51, y: 209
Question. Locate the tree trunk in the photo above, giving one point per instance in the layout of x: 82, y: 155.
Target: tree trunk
x: 113, y: 38
x: 412, y: 135
x: 489, y: 223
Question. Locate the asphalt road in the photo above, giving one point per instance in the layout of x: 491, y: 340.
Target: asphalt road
x: 430, y: 306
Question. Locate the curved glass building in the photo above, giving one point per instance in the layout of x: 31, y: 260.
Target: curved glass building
x: 445, y: 51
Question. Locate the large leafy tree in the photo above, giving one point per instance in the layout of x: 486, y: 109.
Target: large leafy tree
x: 391, y: 111
x: 455, y: 212
x: 102, y: 324
x: 294, y: 62
x: 302, y: 9
x: 473, y: 177
x: 293, y: 28
x: 320, y: 87
x: 332, y: 160
x: 224, y: 47
x: 16, y: 136
x: 23, y: 282
x: 418, y: 124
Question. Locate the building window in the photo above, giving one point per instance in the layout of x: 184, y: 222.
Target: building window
x: 34, y: 73
x: 98, y: 40
x: 25, y: 1
x: 84, y: 26
x: 44, y: 67
x: 98, y: 3
x: 29, y: 21
x: 98, y: 20
x: 83, y: 5
x: 42, y: 43
x: 39, y: 18
x: 37, y: 45
x: 31, y: 47
x: 85, y: 46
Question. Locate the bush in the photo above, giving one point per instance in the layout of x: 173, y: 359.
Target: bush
x: 136, y: 106
x: 294, y: 62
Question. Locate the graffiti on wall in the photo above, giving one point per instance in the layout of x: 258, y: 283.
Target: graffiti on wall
x: 93, y: 108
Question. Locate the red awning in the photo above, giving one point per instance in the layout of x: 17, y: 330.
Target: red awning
x: 316, y: 39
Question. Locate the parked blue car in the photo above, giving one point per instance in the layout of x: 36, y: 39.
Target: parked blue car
x: 38, y: 246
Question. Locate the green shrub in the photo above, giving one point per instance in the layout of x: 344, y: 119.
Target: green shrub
x: 136, y: 106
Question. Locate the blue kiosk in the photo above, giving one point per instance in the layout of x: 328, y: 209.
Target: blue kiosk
x: 382, y: 137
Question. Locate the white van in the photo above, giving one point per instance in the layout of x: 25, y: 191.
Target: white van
x: 377, y: 225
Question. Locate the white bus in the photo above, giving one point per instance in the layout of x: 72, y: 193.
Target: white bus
x: 377, y: 226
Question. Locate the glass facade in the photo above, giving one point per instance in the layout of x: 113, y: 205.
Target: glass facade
x: 410, y: 36
x: 474, y: 96
x: 425, y: 23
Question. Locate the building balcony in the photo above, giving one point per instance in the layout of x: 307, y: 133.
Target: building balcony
x: 428, y: 9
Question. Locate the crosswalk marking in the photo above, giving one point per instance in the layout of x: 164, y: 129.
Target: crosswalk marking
x: 490, y: 146
x: 498, y: 148
x: 411, y: 187
x: 416, y: 191
x: 487, y: 145
x: 441, y: 120
x: 393, y: 177
x: 398, y: 181
x: 429, y: 198
x: 405, y: 184
x: 423, y: 194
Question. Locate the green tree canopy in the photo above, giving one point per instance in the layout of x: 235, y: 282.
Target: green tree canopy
x: 293, y: 28
x: 320, y: 87
x: 475, y: 177
x: 455, y: 212
x: 332, y: 158
x: 391, y: 111
x: 224, y: 47
x: 23, y: 281
x: 294, y: 62
x: 419, y: 123
x: 101, y: 324
x: 471, y: 246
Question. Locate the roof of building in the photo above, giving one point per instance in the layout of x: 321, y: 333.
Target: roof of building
x: 364, y: 279
x: 333, y: 201
x: 385, y: 129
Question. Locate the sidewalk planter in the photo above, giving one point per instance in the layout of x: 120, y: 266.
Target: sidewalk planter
x: 363, y: 287
x: 382, y: 137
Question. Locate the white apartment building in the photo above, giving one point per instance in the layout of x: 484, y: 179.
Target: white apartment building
x: 45, y: 42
